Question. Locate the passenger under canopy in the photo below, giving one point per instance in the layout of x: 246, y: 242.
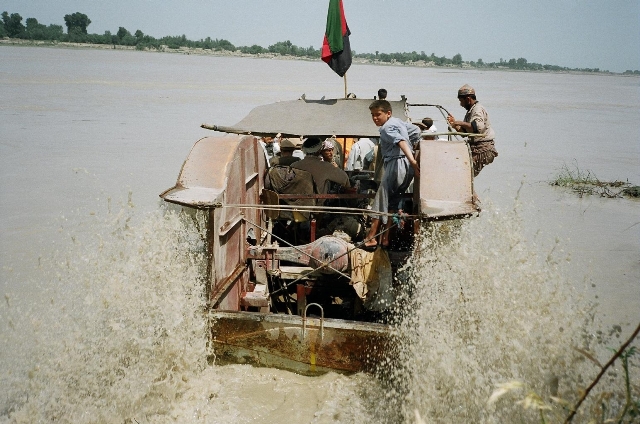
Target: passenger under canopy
x: 322, y: 118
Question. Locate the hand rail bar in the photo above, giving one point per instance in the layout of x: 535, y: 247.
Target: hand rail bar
x: 304, y: 320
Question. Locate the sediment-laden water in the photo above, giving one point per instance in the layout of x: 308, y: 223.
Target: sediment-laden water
x: 102, y: 318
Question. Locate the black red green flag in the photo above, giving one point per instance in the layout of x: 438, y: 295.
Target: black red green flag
x: 336, y: 50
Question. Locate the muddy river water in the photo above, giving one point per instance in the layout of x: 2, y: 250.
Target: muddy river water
x: 101, y: 317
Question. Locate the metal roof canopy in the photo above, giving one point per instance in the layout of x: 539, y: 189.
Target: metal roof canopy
x: 302, y: 117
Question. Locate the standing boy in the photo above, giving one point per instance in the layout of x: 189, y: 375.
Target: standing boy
x: 396, y: 138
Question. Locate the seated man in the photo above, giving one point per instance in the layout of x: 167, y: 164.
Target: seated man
x: 323, y: 173
x: 286, y: 157
x: 326, y: 152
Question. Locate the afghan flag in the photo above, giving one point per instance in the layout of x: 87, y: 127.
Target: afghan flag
x: 336, y: 50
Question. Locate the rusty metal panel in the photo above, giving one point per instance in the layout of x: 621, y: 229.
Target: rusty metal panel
x: 255, y: 166
x: 220, y: 171
x: 202, y: 178
x: 234, y: 190
x: 446, y: 179
x: 222, y: 287
x: 230, y: 297
x: 276, y: 341
x: 244, y: 170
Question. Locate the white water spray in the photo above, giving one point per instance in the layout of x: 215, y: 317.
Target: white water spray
x: 488, y: 307
x: 117, y: 333
x: 116, y: 327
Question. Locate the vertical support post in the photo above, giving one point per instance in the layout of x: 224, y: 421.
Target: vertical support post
x: 268, y: 259
x: 301, y: 295
x: 345, y: 84
x: 312, y: 236
x: 269, y: 230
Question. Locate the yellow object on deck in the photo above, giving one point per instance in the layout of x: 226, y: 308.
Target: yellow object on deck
x: 371, y: 278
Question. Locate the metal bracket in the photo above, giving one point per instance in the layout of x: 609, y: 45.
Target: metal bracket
x: 304, y: 320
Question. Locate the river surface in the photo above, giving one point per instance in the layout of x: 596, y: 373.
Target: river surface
x: 100, y: 320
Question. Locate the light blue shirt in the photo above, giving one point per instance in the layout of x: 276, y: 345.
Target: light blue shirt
x: 393, y: 132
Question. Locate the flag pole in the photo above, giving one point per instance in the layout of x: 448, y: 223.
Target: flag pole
x: 345, y: 85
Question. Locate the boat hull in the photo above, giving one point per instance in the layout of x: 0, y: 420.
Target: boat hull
x: 274, y: 340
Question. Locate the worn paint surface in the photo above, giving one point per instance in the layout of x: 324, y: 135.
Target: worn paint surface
x: 446, y: 183
x: 223, y: 170
x: 327, y: 249
x: 276, y: 341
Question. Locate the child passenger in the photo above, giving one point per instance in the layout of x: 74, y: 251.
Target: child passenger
x: 396, y: 139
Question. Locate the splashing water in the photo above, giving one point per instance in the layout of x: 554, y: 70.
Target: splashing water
x: 484, y: 307
x: 117, y: 328
x: 117, y: 333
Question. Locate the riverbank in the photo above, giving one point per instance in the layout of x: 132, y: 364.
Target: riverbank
x: 276, y: 56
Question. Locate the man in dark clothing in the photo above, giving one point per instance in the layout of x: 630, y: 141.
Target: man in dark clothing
x: 286, y: 157
x: 323, y: 172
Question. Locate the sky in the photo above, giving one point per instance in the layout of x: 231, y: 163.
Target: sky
x: 573, y: 33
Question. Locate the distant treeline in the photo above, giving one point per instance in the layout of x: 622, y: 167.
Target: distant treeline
x: 77, y: 23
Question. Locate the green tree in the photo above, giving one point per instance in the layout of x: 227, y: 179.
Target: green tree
x: 122, y: 32
x: 77, y: 22
x: 313, y: 52
x: 224, y: 45
x: 255, y: 49
x: 106, y: 38
x: 207, y: 43
x: 3, y: 31
x: 129, y: 40
x: 32, y: 23
x: 36, y: 31
x: 457, y: 59
x: 54, y: 32
x: 281, y: 47
x: 12, y: 24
